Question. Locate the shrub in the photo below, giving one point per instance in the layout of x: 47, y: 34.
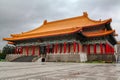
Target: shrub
x: 2, y: 56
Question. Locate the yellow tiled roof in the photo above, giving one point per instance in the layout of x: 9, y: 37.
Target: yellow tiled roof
x: 65, y: 26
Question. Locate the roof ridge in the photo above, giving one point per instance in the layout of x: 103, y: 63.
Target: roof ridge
x: 84, y: 15
x: 64, y: 19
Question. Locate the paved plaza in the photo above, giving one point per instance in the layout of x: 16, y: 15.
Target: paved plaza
x: 58, y: 71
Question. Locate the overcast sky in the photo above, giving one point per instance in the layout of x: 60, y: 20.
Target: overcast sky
x: 18, y: 16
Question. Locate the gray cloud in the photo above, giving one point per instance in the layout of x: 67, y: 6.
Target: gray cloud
x: 22, y: 15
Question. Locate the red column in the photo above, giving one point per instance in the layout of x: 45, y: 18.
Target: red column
x: 109, y: 51
x: 101, y: 48
x: 27, y: 50
x: 74, y: 46
x: 39, y: 51
x: 21, y: 50
x: 48, y: 48
x: 33, y: 50
x: 106, y: 47
x: 69, y: 48
x: 60, y: 48
x: 15, y: 50
x: 53, y: 48
x: 64, y: 47
x: 94, y: 48
x: 88, y: 48
x: 78, y: 47
x: 56, y: 48
x: 83, y: 50
x: 112, y: 50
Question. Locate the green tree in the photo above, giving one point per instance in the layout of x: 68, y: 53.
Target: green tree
x: 8, y: 49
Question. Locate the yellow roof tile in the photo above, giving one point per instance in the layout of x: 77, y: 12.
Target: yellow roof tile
x: 64, y: 26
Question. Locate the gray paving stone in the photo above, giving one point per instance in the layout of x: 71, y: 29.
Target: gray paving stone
x: 58, y: 71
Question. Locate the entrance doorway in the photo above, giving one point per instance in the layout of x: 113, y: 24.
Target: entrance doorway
x: 43, y: 51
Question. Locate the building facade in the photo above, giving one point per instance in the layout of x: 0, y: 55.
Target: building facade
x: 68, y: 36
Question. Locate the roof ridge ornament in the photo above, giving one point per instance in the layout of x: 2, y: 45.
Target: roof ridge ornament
x: 45, y: 22
x: 85, y: 14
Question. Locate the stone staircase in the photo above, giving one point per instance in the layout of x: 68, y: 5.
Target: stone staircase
x: 24, y: 59
x: 10, y: 57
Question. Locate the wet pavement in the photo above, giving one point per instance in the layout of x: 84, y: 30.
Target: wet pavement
x: 58, y: 71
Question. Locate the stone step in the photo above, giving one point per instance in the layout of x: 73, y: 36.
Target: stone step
x: 24, y: 59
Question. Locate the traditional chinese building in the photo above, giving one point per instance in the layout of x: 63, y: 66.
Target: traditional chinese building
x: 68, y: 36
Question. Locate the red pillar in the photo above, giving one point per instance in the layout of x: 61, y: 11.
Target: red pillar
x: 15, y: 50
x: 18, y: 50
x: 106, y: 47
x: 53, y: 48
x: 48, y: 48
x: 21, y: 50
x: 33, y: 50
x: 64, y: 47
x: 27, y: 50
x: 39, y: 51
x: 69, y: 48
x: 74, y: 46
x: 60, y: 48
x: 112, y: 50
x: 88, y: 48
x: 83, y: 50
x: 78, y: 47
x: 56, y: 48
x: 101, y: 48
x: 94, y: 48
x: 109, y: 50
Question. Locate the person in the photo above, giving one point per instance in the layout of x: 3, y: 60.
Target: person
x: 43, y: 60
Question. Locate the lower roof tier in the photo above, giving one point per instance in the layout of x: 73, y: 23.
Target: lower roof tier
x: 86, y: 34
x: 95, y: 34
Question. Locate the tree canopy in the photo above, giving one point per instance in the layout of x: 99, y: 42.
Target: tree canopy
x: 8, y: 49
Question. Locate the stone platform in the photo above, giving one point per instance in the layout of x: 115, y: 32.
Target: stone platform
x: 79, y: 57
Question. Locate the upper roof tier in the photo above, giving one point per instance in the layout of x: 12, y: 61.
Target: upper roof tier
x: 65, y: 26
